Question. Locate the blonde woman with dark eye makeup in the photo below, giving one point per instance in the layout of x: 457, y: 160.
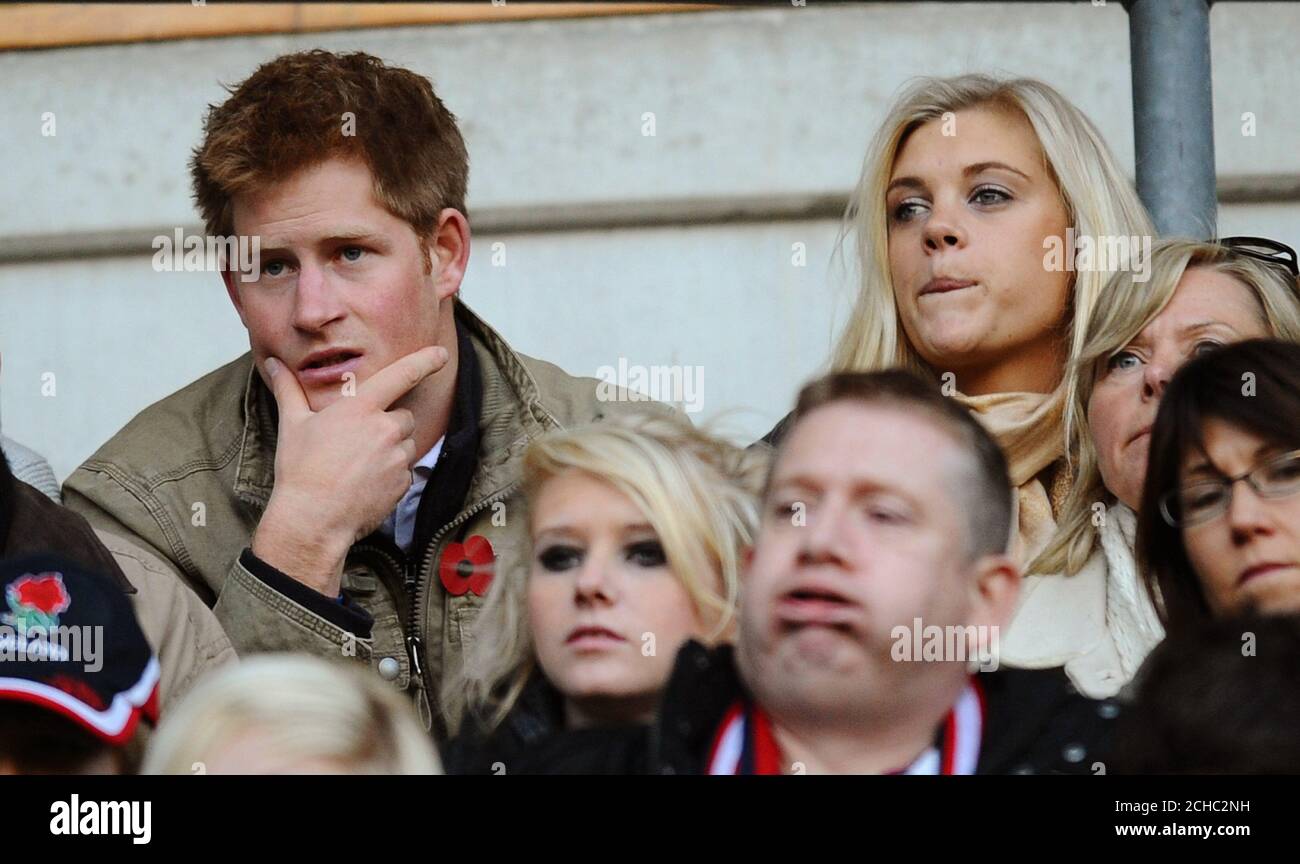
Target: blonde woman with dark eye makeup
x: 967, y: 187
x: 638, y: 528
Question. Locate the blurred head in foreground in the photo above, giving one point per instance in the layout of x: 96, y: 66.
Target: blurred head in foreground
x: 292, y: 714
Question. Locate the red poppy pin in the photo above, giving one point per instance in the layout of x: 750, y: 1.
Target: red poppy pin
x: 467, y: 566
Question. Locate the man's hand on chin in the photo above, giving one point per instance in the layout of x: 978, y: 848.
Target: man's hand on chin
x: 339, y: 471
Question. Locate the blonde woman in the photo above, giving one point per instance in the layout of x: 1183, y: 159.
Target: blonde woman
x: 1086, y: 608
x: 291, y: 714
x: 637, y: 528
x: 971, y: 194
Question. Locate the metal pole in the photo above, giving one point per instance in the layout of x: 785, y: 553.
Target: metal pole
x: 1173, y: 115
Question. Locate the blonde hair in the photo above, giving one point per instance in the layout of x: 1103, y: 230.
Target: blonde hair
x: 307, y: 708
x: 1099, y: 200
x: 1126, y: 307
x: 698, y: 492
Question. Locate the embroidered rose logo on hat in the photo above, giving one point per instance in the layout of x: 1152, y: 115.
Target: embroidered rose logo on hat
x: 36, y: 600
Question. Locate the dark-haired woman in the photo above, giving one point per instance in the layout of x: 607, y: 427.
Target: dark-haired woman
x: 1219, y: 527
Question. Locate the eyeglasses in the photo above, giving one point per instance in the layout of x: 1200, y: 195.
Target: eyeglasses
x: 1263, y: 249
x: 1199, y: 502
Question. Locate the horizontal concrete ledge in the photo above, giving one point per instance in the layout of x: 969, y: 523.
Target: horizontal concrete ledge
x: 583, y: 216
x: 590, y: 216
x: 1258, y: 189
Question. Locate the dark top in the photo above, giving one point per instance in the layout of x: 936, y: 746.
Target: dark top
x: 1035, y: 723
x: 31, y: 523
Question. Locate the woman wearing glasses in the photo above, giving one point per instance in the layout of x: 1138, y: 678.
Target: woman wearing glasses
x: 967, y: 187
x: 1219, y: 530
x: 1085, y: 606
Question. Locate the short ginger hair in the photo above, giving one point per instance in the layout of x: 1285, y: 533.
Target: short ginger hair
x: 302, y: 109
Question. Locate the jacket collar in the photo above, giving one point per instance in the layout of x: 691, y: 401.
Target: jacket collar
x: 453, y: 472
x: 255, y: 472
x: 539, y: 711
x: 703, y: 685
x: 511, y: 414
x: 706, y: 682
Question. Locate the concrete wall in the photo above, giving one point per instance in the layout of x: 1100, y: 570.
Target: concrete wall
x: 668, y: 249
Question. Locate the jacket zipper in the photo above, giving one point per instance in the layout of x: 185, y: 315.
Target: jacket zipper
x: 417, y: 582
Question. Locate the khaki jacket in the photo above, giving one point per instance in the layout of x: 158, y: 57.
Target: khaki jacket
x: 191, y: 475
x: 182, y: 630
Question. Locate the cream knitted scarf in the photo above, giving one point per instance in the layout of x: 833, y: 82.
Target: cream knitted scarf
x: 1131, y: 617
x: 1028, y: 426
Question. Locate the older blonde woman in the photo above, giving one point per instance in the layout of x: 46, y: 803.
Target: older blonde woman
x: 638, y: 529
x: 1084, y: 605
x: 972, y: 195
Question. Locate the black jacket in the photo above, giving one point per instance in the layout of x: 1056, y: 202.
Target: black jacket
x: 1035, y: 723
x: 537, y: 715
x: 30, y: 523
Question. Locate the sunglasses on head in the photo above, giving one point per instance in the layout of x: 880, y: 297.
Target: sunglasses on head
x: 1263, y: 249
